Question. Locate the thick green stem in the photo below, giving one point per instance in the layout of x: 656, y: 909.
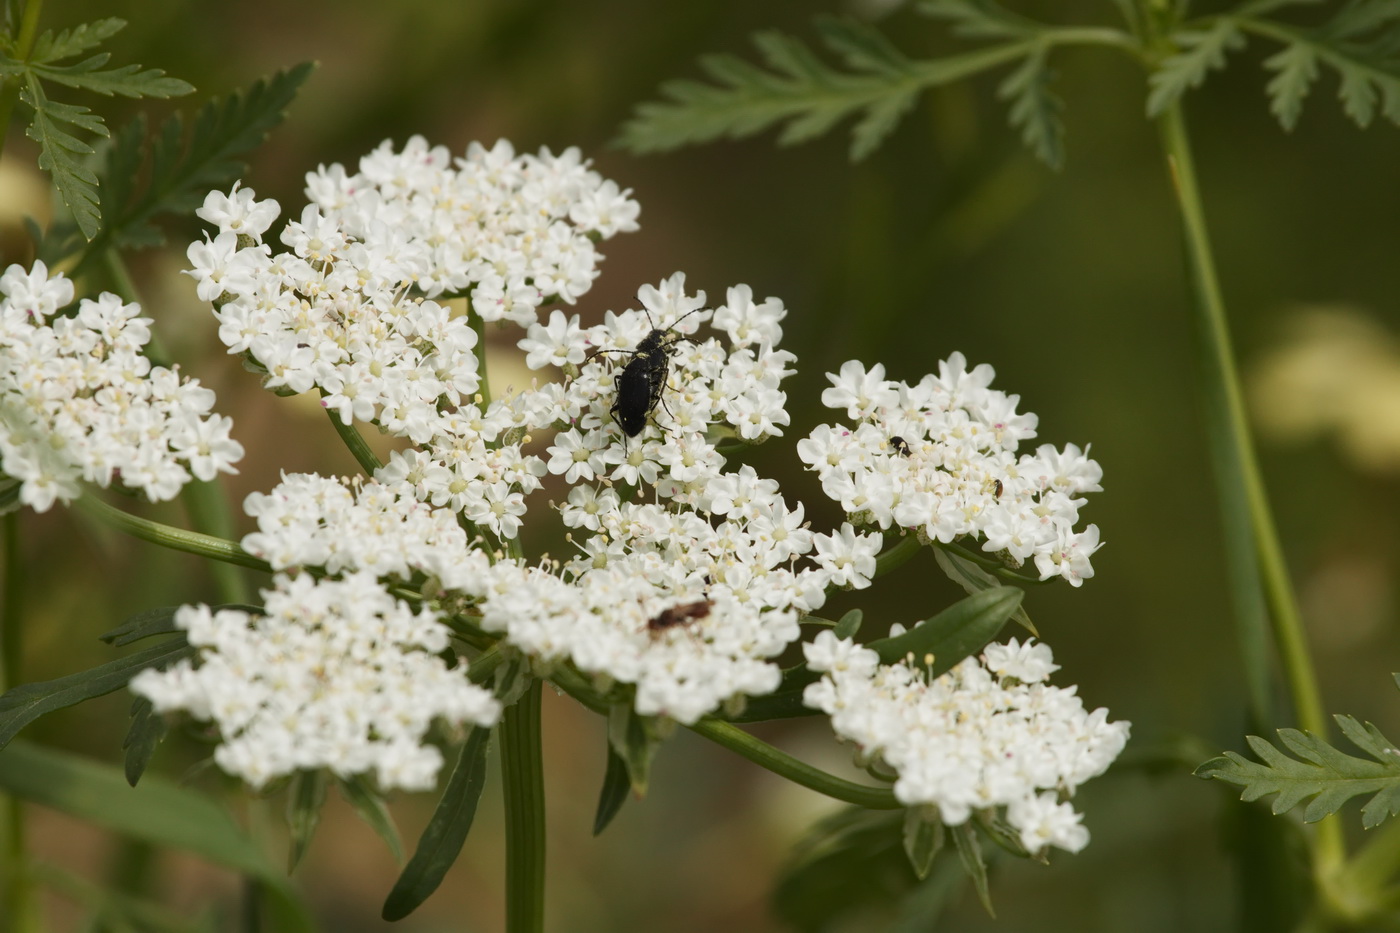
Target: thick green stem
x: 1230, y: 431
x: 18, y: 896
x: 522, y: 774
x: 24, y: 43
x: 191, y: 542
x: 356, y: 443
x: 799, y: 772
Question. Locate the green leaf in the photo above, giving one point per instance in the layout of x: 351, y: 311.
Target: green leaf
x: 974, y: 579
x: 980, y: 19
x: 158, y: 812
x: 126, y: 81
x: 146, y: 730
x: 1200, y: 51
x: 442, y: 839
x: 182, y: 173
x: 369, y: 806
x: 616, y: 786
x: 1320, y: 772
x: 1295, y: 71
x: 851, y: 863
x: 783, y: 703
x: 159, y: 621
x: 1361, y: 43
x: 60, y: 151
x: 795, y: 88
x: 970, y: 851
x: 304, y: 802
x: 635, y: 740
x: 848, y: 625
x: 27, y: 702
x: 75, y: 41
x: 922, y: 840
x: 958, y: 632
x: 1035, y: 111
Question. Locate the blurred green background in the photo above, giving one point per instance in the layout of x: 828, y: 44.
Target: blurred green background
x: 949, y: 238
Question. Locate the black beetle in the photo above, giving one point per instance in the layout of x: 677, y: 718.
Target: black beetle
x: 640, y: 385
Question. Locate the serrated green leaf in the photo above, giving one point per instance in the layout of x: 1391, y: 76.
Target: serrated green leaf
x: 979, y: 19
x: 960, y: 631
x: 1295, y: 70
x: 445, y: 833
x: 613, y: 794
x: 1201, y: 50
x: 970, y: 852
x: 1035, y: 111
x: 795, y: 88
x: 126, y: 81
x: 75, y: 183
x: 158, y: 812
x: 974, y: 579
x: 1320, y: 773
x: 142, y: 736
x: 181, y: 174
x: 1361, y: 43
x: 369, y: 806
x: 27, y: 702
x: 75, y: 41
x: 304, y: 802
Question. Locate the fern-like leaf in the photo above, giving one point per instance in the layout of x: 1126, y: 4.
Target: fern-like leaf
x: 1361, y: 43
x: 1035, y: 111
x: 980, y: 19
x: 1201, y: 50
x: 61, y: 153
x: 796, y: 88
x: 75, y: 41
x: 128, y: 81
x: 1320, y: 772
x: 179, y: 174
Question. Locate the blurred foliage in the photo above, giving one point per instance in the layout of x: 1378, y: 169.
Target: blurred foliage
x: 950, y: 237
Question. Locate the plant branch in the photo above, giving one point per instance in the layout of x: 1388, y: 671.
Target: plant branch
x: 191, y: 542
x: 522, y: 774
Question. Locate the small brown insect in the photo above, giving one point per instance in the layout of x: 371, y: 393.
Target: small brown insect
x: 900, y: 445
x: 997, y: 488
x: 679, y: 615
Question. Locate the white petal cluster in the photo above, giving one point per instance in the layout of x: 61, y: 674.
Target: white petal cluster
x: 79, y: 400
x: 348, y: 308
x: 940, y: 458
x: 335, y: 674
x: 990, y: 733
x: 349, y: 526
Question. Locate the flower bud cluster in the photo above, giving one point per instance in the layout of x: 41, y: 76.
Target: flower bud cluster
x: 334, y: 674
x: 991, y: 733
x: 939, y: 458
x: 79, y: 400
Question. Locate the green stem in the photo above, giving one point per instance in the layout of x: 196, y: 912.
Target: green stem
x: 484, y: 388
x: 19, y: 898
x: 24, y: 44
x: 799, y: 772
x: 356, y: 442
x: 897, y: 556
x: 191, y: 542
x: 522, y: 776
x: 1231, y: 429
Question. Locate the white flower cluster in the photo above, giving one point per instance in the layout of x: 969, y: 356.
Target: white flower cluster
x: 79, y: 400
x: 690, y: 613
x: 335, y: 674
x: 940, y: 458
x: 348, y: 308
x: 987, y: 734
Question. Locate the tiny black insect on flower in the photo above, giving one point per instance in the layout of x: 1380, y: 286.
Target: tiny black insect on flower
x: 679, y: 615
x: 997, y: 488
x: 900, y: 445
x: 642, y: 381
